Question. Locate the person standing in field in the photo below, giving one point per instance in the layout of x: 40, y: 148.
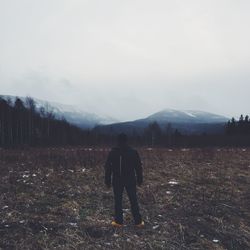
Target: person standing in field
x: 123, y: 170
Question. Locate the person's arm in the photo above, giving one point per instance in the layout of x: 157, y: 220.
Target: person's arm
x: 108, y: 171
x: 138, y: 169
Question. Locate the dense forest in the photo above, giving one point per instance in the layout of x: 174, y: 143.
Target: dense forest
x: 23, y: 124
x: 240, y: 127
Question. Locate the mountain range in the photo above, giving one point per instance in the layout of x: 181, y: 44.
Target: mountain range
x: 72, y: 114
x: 186, y: 121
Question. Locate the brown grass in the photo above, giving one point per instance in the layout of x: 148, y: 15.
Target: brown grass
x: 54, y: 198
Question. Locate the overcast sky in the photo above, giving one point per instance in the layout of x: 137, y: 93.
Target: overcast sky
x: 128, y: 58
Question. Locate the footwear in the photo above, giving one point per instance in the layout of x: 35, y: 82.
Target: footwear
x: 115, y: 224
x: 140, y: 225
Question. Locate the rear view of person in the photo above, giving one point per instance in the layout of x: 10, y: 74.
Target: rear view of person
x: 123, y: 169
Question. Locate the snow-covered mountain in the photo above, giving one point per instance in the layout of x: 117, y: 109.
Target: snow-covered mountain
x: 186, y: 116
x: 186, y: 121
x: 72, y: 114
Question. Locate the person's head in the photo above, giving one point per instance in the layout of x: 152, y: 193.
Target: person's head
x: 122, y: 139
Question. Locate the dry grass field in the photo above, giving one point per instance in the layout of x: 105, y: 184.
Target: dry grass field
x: 54, y: 198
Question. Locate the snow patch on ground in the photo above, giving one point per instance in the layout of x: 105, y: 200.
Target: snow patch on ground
x: 173, y: 182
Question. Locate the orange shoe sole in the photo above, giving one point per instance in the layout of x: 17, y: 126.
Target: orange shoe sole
x: 142, y: 224
x: 115, y: 224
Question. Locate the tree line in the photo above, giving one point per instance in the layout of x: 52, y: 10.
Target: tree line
x: 236, y: 133
x: 23, y: 123
x: 240, y: 127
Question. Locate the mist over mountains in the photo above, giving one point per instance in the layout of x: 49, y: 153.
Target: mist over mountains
x: 72, y: 114
x: 186, y: 121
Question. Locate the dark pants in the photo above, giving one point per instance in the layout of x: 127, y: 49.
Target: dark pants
x: 131, y: 191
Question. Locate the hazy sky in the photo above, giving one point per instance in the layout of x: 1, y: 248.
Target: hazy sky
x: 128, y: 58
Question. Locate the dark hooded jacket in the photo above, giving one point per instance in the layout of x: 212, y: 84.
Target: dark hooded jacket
x: 123, y: 166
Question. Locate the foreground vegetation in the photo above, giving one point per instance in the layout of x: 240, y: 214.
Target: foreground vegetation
x: 54, y: 198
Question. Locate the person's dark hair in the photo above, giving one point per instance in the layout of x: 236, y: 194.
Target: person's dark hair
x: 122, y: 139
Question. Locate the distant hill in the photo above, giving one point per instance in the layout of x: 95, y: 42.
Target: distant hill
x: 72, y: 114
x: 186, y: 121
x: 186, y: 116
